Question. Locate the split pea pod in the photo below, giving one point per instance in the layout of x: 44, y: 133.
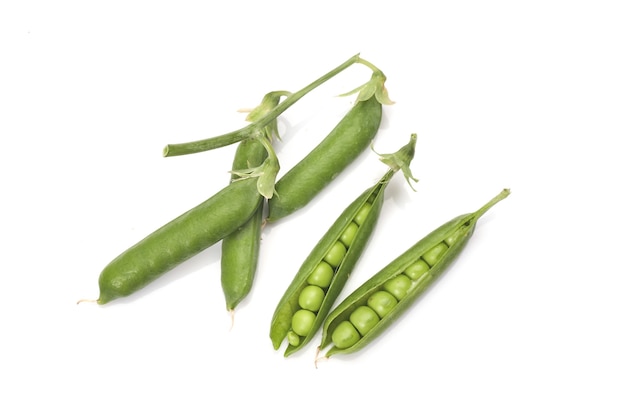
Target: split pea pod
x: 378, y: 302
x: 350, y: 137
x: 240, y: 249
x: 179, y: 240
x: 323, y: 274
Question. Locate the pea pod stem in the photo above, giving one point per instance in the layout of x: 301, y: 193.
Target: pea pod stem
x: 265, y: 172
x: 503, y: 194
x: 248, y: 131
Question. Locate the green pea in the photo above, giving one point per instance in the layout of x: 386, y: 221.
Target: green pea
x: 362, y: 214
x: 335, y: 254
x: 347, y: 237
x: 382, y: 303
x: 364, y: 319
x: 293, y: 339
x: 322, y: 275
x: 179, y: 240
x: 454, y: 237
x: 417, y: 269
x: 302, y: 322
x: 435, y: 253
x: 311, y: 298
x: 345, y: 335
x: 398, y: 286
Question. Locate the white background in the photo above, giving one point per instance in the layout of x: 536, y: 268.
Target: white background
x: 527, y: 95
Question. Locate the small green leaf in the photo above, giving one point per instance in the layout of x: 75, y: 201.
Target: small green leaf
x: 265, y: 173
x: 374, y: 87
x: 401, y: 159
x: 269, y: 103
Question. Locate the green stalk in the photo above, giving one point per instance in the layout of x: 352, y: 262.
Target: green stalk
x: 250, y: 130
x: 503, y: 194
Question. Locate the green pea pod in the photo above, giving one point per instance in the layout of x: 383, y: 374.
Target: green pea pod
x: 323, y: 274
x: 331, y: 156
x: 179, y: 240
x: 351, y: 325
x: 240, y: 249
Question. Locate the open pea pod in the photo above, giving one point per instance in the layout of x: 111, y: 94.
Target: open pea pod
x: 323, y: 274
x: 371, y: 308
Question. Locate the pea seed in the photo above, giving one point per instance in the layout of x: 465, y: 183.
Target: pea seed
x: 302, y: 322
x: 451, y: 240
x: 311, y: 298
x: 398, y: 286
x: 335, y: 254
x: 321, y: 275
x: 345, y: 335
x: 382, y: 303
x: 347, y: 237
x: 435, y: 253
x: 417, y: 269
x: 293, y: 339
x: 364, y: 319
x: 362, y: 214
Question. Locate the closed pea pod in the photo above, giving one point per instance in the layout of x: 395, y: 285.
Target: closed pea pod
x: 179, y: 240
x: 421, y: 264
x: 238, y: 204
x: 333, y: 154
x: 240, y: 249
x: 327, y: 267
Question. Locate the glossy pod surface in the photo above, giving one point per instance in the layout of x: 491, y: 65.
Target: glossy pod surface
x: 329, y: 158
x: 240, y: 249
x: 351, y: 325
x: 179, y: 240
